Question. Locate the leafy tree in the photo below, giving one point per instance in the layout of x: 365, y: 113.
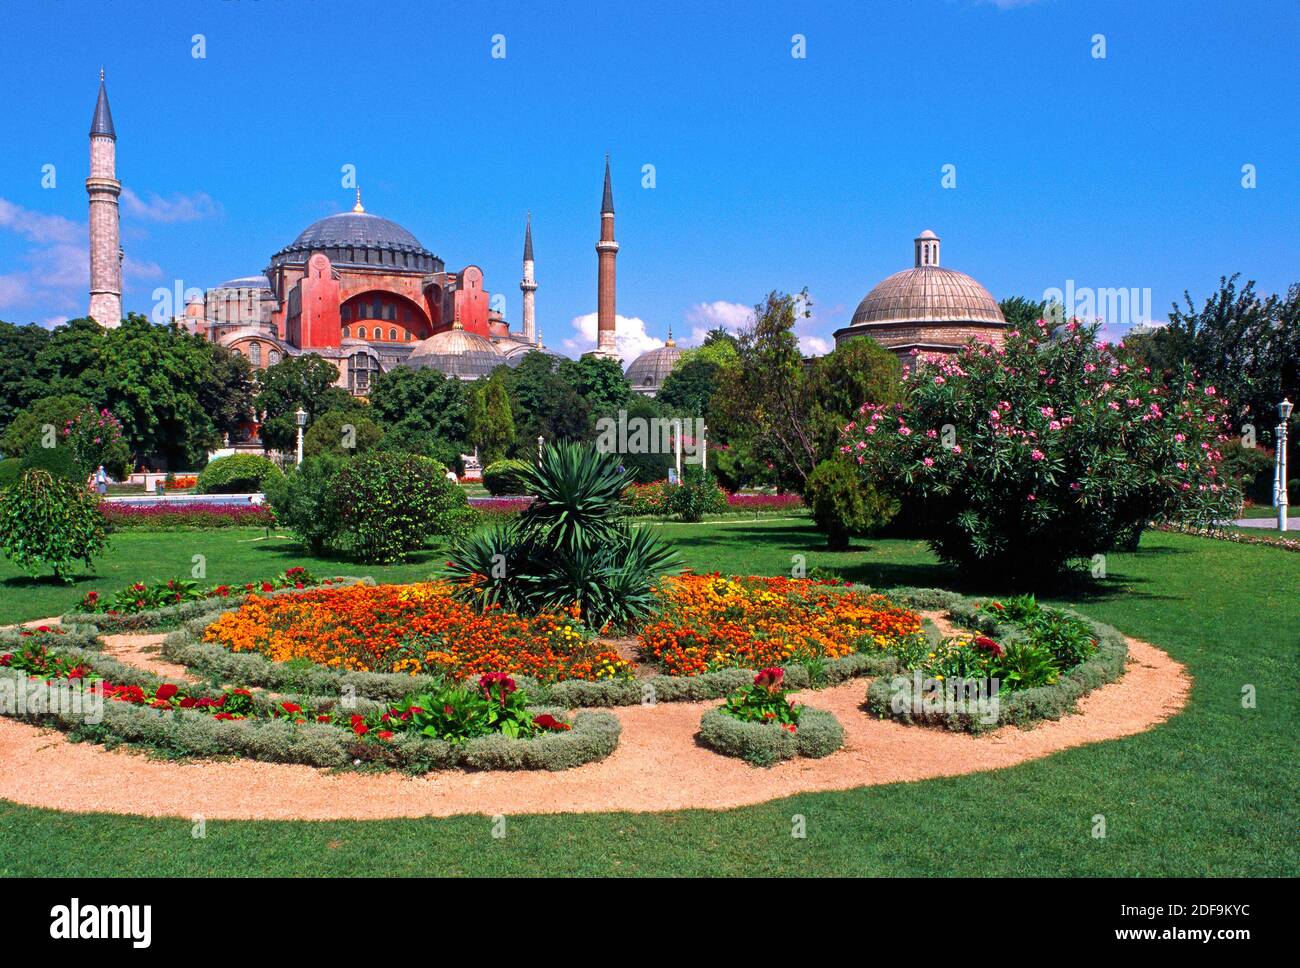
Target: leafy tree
x: 844, y: 505
x: 342, y: 433
x: 47, y: 521
x: 1246, y: 346
x: 70, y: 362
x: 859, y: 371
x: 545, y: 403
x: 19, y: 348
x: 304, y: 382
x: 490, y: 420
x: 1022, y: 313
x: 41, y: 423
x: 96, y: 439
x: 423, y: 410
x: 690, y: 387
x: 598, y: 380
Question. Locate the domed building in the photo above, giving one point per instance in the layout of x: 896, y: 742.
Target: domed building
x: 649, y: 370
x: 363, y: 292
x: 928, y: 308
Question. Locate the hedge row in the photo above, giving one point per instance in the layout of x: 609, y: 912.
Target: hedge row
x: 189, y: 733
x: 819, y: 734
x: 1021, y: 707
x: 170, y: 616
x: 79, y: 636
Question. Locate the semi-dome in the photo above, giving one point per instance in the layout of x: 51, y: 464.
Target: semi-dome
x: 360, y: 238
x: 457, y: 353
x: 649, y: 370
x: 246, y: 282
x: 927, y: 306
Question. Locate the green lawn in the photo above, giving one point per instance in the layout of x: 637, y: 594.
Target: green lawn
x: 1209, y: 792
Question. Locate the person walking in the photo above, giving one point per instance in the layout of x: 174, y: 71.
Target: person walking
x: 101, y: 480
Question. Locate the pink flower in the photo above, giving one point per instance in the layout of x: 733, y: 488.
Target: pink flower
x: 1036, y: 454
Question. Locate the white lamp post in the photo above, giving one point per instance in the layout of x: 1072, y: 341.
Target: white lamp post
x: 541, y: 441
x: 1283, y: 411
x: 677, y: 427
x: 704, y: 446
x: 302, y: 422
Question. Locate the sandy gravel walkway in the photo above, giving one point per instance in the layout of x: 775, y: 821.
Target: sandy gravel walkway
x: 657, y: 766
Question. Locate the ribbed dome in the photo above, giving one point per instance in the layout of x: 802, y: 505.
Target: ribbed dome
x: 457, y: 353
x: 360, y: 238
x: 246, y: 282
x: 928, y: 294
x: 649, y: 370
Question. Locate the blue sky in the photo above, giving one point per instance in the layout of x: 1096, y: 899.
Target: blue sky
x: 771, y: 171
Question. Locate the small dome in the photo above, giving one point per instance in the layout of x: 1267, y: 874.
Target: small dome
x: 246, y: 282
x: 928, y: 294
x: 649, y: 370
x: 457, y: 353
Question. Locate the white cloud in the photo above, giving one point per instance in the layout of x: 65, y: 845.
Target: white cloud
x: 177, y: 208
x: 37, y: 226
x: 629, y: 334
x: 705, y: 316
x: 814, y: 345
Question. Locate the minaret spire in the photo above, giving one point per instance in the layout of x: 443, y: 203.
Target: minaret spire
x: 358, y: 207
x: 528, y: 286
x: 103, y: 189
x: 606, y: 254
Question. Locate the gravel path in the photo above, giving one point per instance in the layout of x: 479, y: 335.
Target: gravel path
x: 658, y: 765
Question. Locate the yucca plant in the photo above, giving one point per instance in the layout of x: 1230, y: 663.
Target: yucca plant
x: 570, y: 547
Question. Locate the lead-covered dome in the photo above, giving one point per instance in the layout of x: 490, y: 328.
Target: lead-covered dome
x: 360, y: 238
x: 649, y: 370
x: 928, y: 292
x: 457, y: 353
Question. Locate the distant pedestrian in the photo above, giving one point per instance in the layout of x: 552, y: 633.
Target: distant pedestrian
x: 101, y: 480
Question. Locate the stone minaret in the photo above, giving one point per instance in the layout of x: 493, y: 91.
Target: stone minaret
x: 105, y: 238
x: 529, y: 286
x: 607, y: 252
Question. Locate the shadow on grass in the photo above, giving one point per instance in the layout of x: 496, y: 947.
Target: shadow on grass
x: 293, y: 552
x: 27, y: 582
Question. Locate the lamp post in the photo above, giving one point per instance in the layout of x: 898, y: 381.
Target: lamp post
x: 302, y: 422
x: 541, y: 441
x: 1283, y: 411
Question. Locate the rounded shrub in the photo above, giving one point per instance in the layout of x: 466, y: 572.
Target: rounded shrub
x: 843, y: 504
x: 301, y: 501
x: 237, y: 474
x: 696, y: 496
x: 49, y: 522
x: 505, y: 476
x: 818, y: 734
x: 11, y: 468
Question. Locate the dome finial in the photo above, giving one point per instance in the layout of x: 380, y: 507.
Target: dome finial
x: 101, y: 75
x: 358, y: 207
x: 670, y: 341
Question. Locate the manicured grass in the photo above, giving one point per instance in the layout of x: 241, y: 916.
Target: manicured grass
x: 1209, y: 792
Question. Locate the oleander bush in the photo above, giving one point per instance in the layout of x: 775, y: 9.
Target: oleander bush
x: 1026, y: 458
x: 237, y: 474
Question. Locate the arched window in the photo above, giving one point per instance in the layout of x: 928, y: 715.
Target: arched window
x: 361, y: 332
x: 392, y: 334
x: 408, y: 336
x: 347, y: 332
x: 274, y: 357
x: 255, y: 354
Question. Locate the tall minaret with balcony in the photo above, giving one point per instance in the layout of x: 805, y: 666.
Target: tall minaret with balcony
x: 607, y: 252
x: 105, y: 236
x: 529, y: 286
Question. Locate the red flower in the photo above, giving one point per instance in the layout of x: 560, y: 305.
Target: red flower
x: 290, y: 707
x: 166, y: 691
x: 222, y: 716
x: 770, y: 679
x: 267, y: 586
x: 385, y: 734
x: 188, y: 703
x: 323, y: 718
x: 986, y: 644
x: 547, y: 721
x: 6, y: 658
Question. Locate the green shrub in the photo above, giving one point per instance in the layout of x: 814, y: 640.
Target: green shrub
x: 301, y: 501
x: 390, y: 505
x: 818, y: 734
x: 843, y: 504
x: 60, y: 462
x: 696, y: 496
x: 237, y: 474
x: 1251, y: 469
x: 505, y: 476
x: 11, y: 468
x: 49, y: 522
x: 342, y: 434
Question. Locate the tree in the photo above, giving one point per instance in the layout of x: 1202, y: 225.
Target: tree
x: 598, y: 380
x: 47, y: 521
x: 545, y: 403
x: 41, y: 424
x: 859, y: 371
x: 70, y: 362
x: 19, y: 348
x: 341, y: 433
x: 424, y: 411
x: 1022, y: 313
x: 304, y: 382
x: 490, y: 421
x: 690, y: 387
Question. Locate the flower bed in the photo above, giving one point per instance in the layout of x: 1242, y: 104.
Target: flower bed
x: 176, y: 517
x: 180, y: 483
x: 491, y: 727
x: 760, y: 503
x: 760, y: 724
x: 1019, y: 663
x: 413, y: 629
x: 165, y: 604
x: 712, y: 622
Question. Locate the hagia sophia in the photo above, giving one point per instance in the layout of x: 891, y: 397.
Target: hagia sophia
x: 364, y: 292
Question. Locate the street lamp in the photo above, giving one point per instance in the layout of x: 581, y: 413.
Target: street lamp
x: 302, y: 422
x: 1284, y: 412
x: 540, y: 443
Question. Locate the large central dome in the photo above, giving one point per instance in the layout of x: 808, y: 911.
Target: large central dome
x: 359, y: 238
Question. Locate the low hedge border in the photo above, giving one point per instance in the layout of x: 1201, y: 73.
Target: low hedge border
x: 182, y: 732
x: 1023, y: 707
x: 818, y: 734
x: 78, y: 636
x: 170, y: 616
